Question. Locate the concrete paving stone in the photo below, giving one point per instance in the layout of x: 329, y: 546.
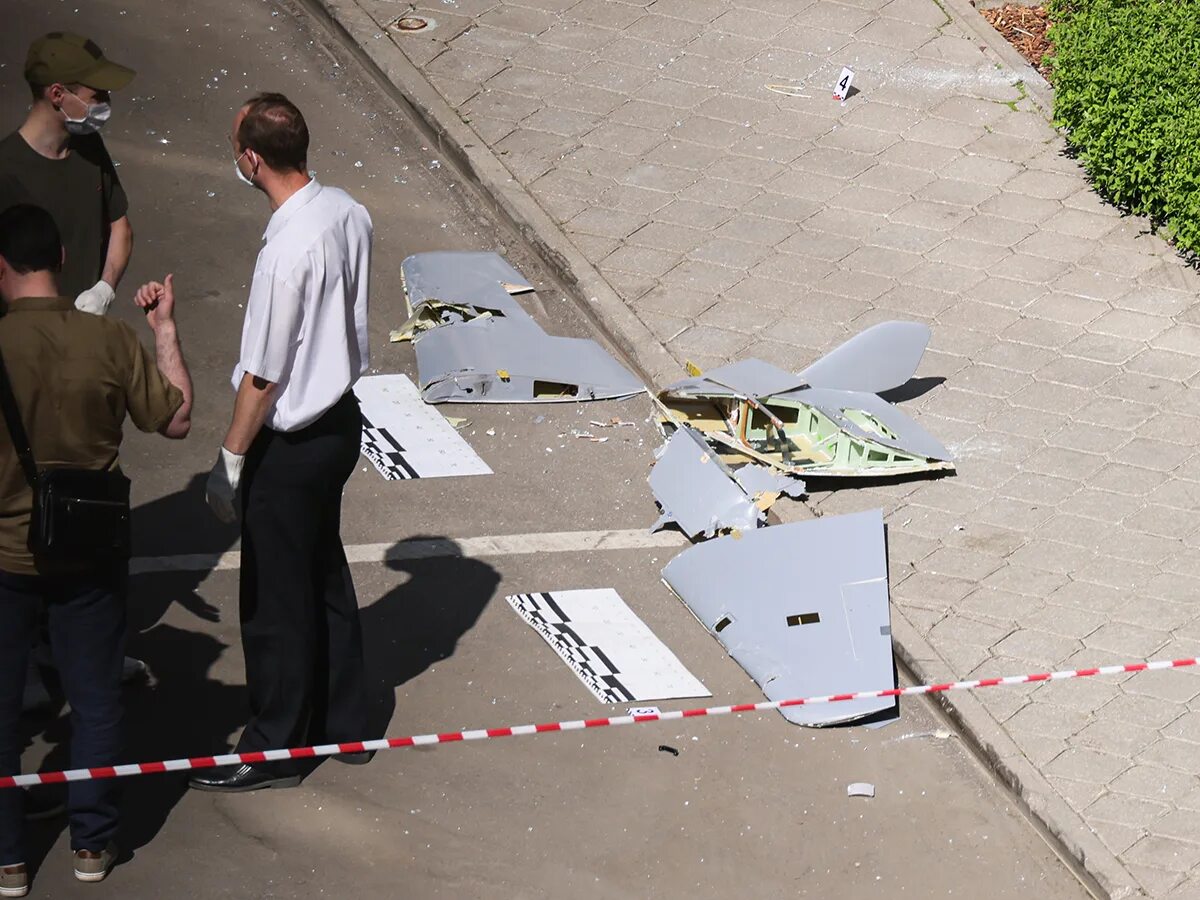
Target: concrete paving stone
x: 1117, y: 838
x: 933, y: 591
x: 677, y: 301
x: 645, y: 114
x: 793, y: 268
x: 982, y: 317
x: 1179, y: 339
x: 527, y: 82
x: 595, y: 246
x: 1081, y: 373
x: 641, y: 261
x: 881, y: 261
x: 1019, y: 207
x: 1050, y: 555
x: 1124, y: 574
x: 500, y: 104
x: 960, y: 405
x: 763, y: 231
x: 1060, y: 247
x: 981, y: 170
x: 1120, y: 261
x: 607, y: 15
x: 497, y: 42
x: 694, y: 214
x: 561, y: 208
x: 465, y: 65
x: 858, y: 139
x: 957, y: 629
x: 1187, y: 889
x: 730, y: 252
x: 709, y: 132
x: 490, y: 131
x: 860, y: 198
x: 1133, y: 325
x: 744, y: 170
x: 1154, y: 880
x: 699, y: 11
x: 455, y: 91
x: 831, y: 162
x: 962, y: 563
x: 1104, y: 348
x: 943, y: 277
x: 1039, y: 648
x: 1087, y: 695
x: 666, y: 29
x: 834, y: 16
x: 655, y: 177
x: 577, y: 36
x: 1002, y: 147
x: 1041, y: 720
x: 959, y: 193
x: 1122, y: 478
x: 626, y: 139
x: 628, y: 50
x: 762, y: 25
x: 597, y: 162
x: 737, y: 110
x: 800, y: 332
x: 965, y: 252
x: 1064, y: 463
x: 951, y: 49
x: 1007, y: 607
x: 970, y: 111
x: 1032, y: 269
x: 808, y: 39
x: 1174, y: 587
x: 628, y: 285
x: 1044, y: 185
x: 702, y: 276
x: 728, y: 47
x: 662, y: 236
x: 895, y: 33
x: 1164, y: 394
x: 849, y: 224
x: 930, y: 215
x: 915, y: 301
x: 1162, y: 614
x: 909, y: 238
x: 1019, y: 357
x: 703, y: 340
x: 564, y: 122
x: 1083, y: 764
x: 700, y: 70
x: 731, y: 194
x: 806, y: 186
x: 766, y: 297
x: 1123, y: 638
x: 880, y: 116
x: 1173, y: 757
x: 1082, y: 224
x: 1060, y: 399
x: 994, y: 230
x: 1165, y: 364
x: 664, y: 328
x: 1157, y: 852
x: 1150, y: 453
x: 1031, y: 126
x: 734, y: 317
x: 1101, y: 505
x: 919, y: 155
x: 521, y: 19
x: 1078, y: 531
x: 985, y: 538
x: 1093, y: 285
x: 1173, y: 275
x: 606, y: 223
x: 773, y: 147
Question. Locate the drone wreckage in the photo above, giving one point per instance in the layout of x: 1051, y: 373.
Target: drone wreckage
x: 737, y: 438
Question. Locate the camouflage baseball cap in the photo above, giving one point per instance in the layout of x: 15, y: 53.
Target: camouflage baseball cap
x: 64, y: 58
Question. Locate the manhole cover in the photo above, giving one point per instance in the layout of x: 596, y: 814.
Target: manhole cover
x: 411, y: 23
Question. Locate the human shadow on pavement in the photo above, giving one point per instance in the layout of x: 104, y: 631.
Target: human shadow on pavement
x: 420, y: 622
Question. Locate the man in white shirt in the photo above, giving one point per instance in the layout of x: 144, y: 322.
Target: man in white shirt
x: 292, y: 445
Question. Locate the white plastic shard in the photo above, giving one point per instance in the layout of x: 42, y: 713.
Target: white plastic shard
x: 697, y: 491
x: 511, y: 360
x: 878, y: 359
x: 802, y: 607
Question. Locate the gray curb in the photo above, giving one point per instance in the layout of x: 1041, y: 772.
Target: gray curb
x: 1082, y: 849
x: 505, y: 195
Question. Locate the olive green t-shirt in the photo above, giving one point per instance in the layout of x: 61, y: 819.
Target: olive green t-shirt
x: 75, y: 377
x: 82, y: 193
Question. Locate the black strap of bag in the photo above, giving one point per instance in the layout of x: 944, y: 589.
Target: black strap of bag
x: 16, y: 428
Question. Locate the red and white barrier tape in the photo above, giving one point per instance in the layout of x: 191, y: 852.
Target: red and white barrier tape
x: 208, y: 762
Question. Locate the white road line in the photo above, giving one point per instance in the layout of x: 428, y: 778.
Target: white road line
x: 489, y: 545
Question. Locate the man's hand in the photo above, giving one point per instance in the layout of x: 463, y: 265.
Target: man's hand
x: 223, y: 481
x: 96, y: 299
x: 157, y: 301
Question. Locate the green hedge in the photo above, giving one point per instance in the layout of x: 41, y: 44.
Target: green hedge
x: 1126, y: 76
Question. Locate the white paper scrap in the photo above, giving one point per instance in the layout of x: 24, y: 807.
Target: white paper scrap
x: 611, y: 650
x: 407, y: 438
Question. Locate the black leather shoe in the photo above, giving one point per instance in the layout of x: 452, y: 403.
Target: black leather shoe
x: 361, y: 758
x: 236, y: 778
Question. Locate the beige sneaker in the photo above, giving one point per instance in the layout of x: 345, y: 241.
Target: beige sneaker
x: 93, y: 866
x: 14, y: 881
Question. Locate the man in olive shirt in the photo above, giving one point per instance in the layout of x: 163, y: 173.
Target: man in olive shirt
x: 74, y: 378
x: 57, y: 160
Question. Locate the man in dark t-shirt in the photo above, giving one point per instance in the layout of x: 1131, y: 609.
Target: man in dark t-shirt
x: 57, y: 160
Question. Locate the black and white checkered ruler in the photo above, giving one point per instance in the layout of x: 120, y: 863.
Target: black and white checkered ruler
x: 611, y: 650
x: 404, y: 437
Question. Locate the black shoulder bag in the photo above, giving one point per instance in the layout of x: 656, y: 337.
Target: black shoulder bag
x: 80, y: 516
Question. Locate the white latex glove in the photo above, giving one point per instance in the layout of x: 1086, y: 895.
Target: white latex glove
x: 96, y: 299
x: 223, y: 482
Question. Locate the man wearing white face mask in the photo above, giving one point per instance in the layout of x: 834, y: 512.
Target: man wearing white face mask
x: 57, y: 160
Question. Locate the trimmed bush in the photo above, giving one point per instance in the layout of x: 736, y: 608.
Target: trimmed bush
x: 1126, y: 76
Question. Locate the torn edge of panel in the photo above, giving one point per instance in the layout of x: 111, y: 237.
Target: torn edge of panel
x: 702, y: 495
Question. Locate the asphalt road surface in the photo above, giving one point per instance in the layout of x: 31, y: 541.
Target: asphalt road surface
x: 750, y: 807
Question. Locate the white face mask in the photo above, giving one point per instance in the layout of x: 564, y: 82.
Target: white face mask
x: 237, y: 168
x: 93, y: 119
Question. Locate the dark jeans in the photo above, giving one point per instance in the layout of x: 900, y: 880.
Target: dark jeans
x: 300, y: 629
x: 86, y: 616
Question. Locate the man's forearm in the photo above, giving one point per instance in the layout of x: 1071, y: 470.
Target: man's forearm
x: 171, y: 363
x: 254, y: 398
x: 120, y: 248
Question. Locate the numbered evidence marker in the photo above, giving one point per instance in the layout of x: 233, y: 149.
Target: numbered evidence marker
x: 841, y: 89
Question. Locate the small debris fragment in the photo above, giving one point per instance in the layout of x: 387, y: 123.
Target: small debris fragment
x: 664, y: 748
x: 860, y: 789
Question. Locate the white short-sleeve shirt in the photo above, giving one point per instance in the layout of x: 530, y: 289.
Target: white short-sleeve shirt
x: 306, y: 319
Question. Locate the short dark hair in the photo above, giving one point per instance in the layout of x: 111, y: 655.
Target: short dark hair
x: 275, y: 129
x: 29, y: 239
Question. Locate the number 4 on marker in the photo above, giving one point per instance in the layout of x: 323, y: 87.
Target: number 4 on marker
x: 841, y: 89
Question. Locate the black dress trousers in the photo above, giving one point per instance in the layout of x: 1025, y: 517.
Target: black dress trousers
x: 300, y: 628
